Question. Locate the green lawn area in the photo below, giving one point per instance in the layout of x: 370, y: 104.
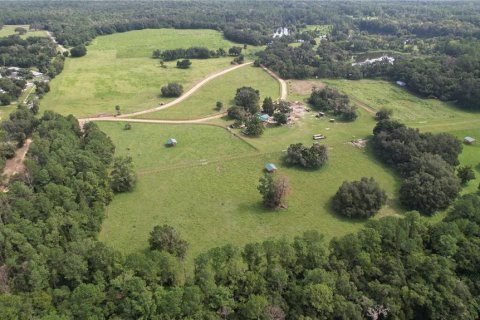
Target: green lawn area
x: 206, y: 186
x: 322, y: 28
x: 8, y: 30
x: 118, y: 70
x: 202, y: 103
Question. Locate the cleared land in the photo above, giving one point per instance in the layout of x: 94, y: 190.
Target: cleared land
x: 202, y: 103
x: 9, y: 30
x: 118, y: 70
x: 206, y: 186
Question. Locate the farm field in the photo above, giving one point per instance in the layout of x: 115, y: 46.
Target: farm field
x: 211, y: 197
x: 118, y: 70
x: 8, y: 30
x: 202, y: 103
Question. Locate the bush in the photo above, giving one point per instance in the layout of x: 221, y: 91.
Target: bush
x: 280, y: 118
x: 383, y: 114
x: 313, y: 158
x: 237, y: 113
x: 172, y: 90
x: 184, y: 64
x: 166, y: 238
x: 359, y: 199
x: 78, y: 51
x: 7, y: 151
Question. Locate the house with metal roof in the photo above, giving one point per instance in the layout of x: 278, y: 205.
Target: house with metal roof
x: 263, y: 117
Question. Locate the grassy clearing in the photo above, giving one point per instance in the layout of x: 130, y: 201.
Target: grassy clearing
x: 118, y: 70
x: 408, y: 108
x: 322, y: 28
x: 9, y: 30
x: 202, y: 103
x: 214, y: 202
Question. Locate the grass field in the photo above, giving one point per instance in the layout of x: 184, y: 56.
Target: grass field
x: 202, y: 103
x: 206, y: 186
x: 8, y: 30
x: 118, y: 70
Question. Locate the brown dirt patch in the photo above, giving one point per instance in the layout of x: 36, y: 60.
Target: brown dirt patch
x: 304, y: 87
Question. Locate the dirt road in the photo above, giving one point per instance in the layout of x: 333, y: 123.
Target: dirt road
x: 283, y: 83
x: 186, y: 94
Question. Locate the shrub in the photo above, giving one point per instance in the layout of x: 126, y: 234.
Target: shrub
x: 280, y: 118
x: 359, y: 199
x: 172, y: 90
x: 383, y: 114
x: 122, y: 177
x: 184, y: 64
x: 78, y: 51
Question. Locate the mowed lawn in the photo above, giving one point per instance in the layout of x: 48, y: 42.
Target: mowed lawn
x: 206, y: 187
x: 202, y: 103
x: 118, y: 70
x: 9, y: 30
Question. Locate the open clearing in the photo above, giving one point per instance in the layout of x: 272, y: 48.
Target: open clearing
x: 9, y: 30
x: 118, y: 70
x: 202, y: 103
x: 206, y: 186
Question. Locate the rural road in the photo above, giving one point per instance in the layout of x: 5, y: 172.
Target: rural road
x: 186, y: 94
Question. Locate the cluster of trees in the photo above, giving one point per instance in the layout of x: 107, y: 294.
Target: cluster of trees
x: 426, y: 161
x: 330, y: 100
x: 184, y: 64
x: 245, y: 110
x: 279, y: 109
x: 194, y: 53
x: 12, y: 90
x: 312, y: 158
x: 36, y: 52
x: 359, y: 199
x: 172, y: 90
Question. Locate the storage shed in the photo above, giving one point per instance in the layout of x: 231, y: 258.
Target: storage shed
x: 270, y: 167
x: 171, y: 142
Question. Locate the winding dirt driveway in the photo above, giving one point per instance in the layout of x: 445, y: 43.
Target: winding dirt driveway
x: 283, y: 83
x: 186, y: 94
x: 127, y: 116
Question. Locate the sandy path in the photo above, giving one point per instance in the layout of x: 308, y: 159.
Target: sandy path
x: 15, y: 165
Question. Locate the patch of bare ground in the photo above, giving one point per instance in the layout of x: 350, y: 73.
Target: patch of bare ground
x: 304, y: 87
x: 15, y: 165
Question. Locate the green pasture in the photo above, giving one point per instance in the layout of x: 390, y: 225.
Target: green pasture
x: 9, y: 30
x: 408, y: 108
x: 206, y: 186
x: 118, y: 70
x: 202, y: 103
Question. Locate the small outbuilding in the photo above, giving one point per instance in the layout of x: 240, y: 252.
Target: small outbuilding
x: 401, y: 83
x: 469, y: 140
x: 270, y: 167
x: 171, y: 142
